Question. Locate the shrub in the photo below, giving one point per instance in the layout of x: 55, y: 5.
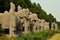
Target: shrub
x: 42, y: 35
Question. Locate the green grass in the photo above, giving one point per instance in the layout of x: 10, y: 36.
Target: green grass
x: 42, y: 35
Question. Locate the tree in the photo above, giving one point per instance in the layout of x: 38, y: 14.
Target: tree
x: 33, y: 7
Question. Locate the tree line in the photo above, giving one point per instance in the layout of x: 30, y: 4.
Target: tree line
x: 33, y: 7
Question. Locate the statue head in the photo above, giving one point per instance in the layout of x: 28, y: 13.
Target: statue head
x: 19, y: 8
x: 12, y: 6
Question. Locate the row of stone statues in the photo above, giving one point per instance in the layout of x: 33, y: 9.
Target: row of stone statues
x: 23, y: 21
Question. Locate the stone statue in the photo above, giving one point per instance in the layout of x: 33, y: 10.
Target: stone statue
x: 19, y: 8
x: 12, y: 6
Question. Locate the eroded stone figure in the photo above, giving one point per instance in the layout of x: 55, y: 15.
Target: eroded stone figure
x: 23, y: 21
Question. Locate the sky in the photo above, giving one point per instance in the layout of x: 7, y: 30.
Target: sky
x: 50, y: 6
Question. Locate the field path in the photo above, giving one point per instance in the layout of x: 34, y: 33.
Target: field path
x: 55, y: 37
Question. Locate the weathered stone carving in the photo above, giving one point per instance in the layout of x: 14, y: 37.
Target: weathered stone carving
x: 12, y: 6
x: 54, y: 26
x: 23, y: 21
x: 19, y: 8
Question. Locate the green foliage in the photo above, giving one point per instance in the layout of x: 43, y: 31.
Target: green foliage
x: 4, y: 37
x: 1, y: 30
x: 36, y: 8
x: 42, y: 35
x: 33, y: 7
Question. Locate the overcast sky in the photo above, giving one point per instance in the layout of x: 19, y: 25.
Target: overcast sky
x: 50, y: 6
